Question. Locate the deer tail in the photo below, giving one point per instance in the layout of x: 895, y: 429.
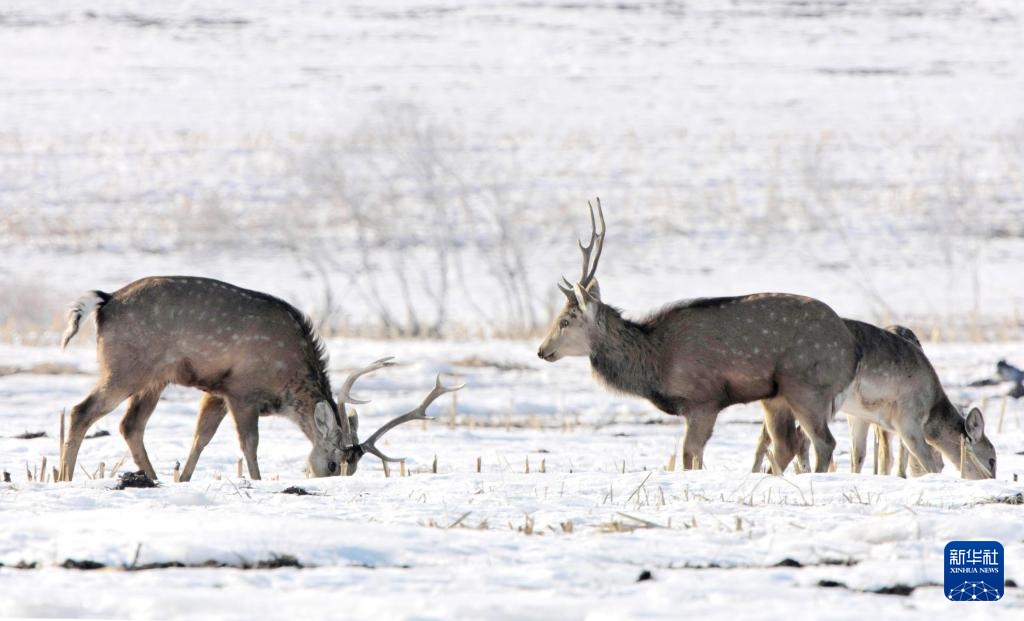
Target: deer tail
x: 86, y: 305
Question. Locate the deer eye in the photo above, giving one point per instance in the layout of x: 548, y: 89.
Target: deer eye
x: 564, y: 323
x: 333, y: 466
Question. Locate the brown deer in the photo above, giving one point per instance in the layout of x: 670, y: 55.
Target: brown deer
x: 896, y: 389
x: 250, y: 352
x: 696, y: 357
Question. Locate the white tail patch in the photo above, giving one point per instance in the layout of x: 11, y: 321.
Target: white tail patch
x: 83, y: 307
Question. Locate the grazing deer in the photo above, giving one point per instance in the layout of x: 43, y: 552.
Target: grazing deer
x: 248, y: 351
x: 696, y: 357
x: 797, y: 446
x: 896, y: 389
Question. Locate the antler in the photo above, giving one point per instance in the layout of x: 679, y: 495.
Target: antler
x: 419, y: 413
x: 344, y: 395
x: 596, y: 241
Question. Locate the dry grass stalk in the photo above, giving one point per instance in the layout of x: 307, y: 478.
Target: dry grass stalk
x: 433, y: 466
x: 527, y: 470
x: 879, y: 439
x: 240, y: 468
x: 84, y: 471
x: 60, y: 446
x: 100, y: 471
x: 963, y: 455
x: 454, y: 410
x: 387, y: 469
x: 176, y: 473
x: 671, y: 465
x: 567, y: 527
x: 479, y: 464
x: 459, y: 521
x: 645, y: 523
x: 402, y: 472
x: 42, y: 471
x: 28, y: 473
x: 638, y: 487
x: 117, y: 466
x: 527, y: 527
x: 1002, y: 414
x: 543, y: 466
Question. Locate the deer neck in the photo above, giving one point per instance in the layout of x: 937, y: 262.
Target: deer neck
x: 622, y: 354
x: 944, y: 429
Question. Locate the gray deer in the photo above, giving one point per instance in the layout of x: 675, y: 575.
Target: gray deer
x: 896, y: 389
x: 250, y: 352
x: 696, y: 357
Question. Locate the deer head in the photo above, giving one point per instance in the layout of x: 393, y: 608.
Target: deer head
x: 977, y: 455
x: 337, y: 450
x: 568, y: 334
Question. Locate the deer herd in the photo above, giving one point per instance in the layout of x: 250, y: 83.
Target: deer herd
x: 254, y: 355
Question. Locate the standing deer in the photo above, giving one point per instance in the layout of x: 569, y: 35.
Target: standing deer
x: 696, y: 357
x: 896, y: 389
x: 248, y: 351
x: 797, y: 441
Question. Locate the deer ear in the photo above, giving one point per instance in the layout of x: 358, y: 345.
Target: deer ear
x: 583, y: 298
x: 323, y: 417
x: 974, y: 426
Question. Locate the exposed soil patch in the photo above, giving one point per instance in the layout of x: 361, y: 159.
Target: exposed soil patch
x: 134, y: 479
x: 85, y: 565
x: 903, y: 590
x: 1015, y: 499
x: 22, y: 565
x: 30, y: 435
x: 276, y: 561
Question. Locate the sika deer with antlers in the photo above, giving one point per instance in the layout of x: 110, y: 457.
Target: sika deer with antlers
x: 248, y: 351
x: 696, y: 357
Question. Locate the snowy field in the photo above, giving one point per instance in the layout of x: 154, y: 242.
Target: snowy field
x: 420, y: 168
x: 569, y: 542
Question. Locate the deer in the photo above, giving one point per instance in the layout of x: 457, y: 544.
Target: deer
x: 249, y: 352
x: 897, y: 390
x: 695, y: 357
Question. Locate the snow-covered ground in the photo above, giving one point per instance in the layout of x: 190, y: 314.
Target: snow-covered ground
x: 568, y: 542
x: 867, y: 153
x: 429, y: 160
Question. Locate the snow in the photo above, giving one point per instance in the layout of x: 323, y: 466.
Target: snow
x: 452, y: 544
x: 865, y: 153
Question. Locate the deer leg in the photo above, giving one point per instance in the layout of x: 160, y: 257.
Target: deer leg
x: 885, y: 458
x: 763, y: 442
x: 813, y: 412
x: 902, y: 457
x: 133, y: 427
x: 781, y: 428
x: 917, y: 469
x: 858, y: 442
x: 212, y: 410
x: 247, y: 424
x: 699, y: 425
x: 913, y: 437
x: 100, y: 402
